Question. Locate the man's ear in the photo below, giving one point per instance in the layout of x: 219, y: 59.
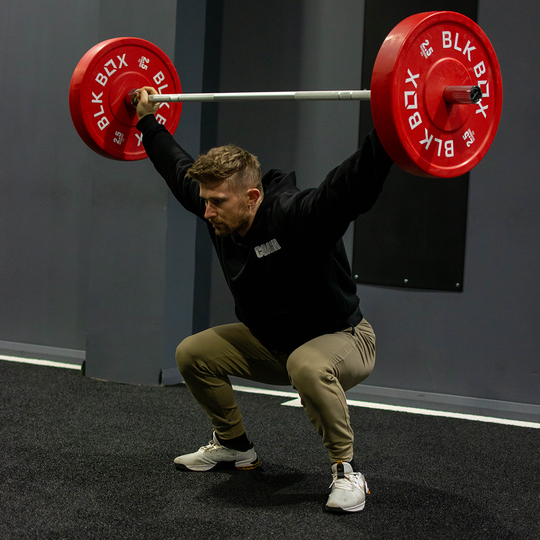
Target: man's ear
x: 253, y: 196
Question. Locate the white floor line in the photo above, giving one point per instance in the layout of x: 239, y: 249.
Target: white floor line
x: 38, y: 362
x: 294, y: 400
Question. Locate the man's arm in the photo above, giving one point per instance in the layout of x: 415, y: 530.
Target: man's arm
x: 168, y: 157
x: 347, y: 191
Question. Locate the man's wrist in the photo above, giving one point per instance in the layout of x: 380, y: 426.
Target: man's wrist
x: 145, y: 121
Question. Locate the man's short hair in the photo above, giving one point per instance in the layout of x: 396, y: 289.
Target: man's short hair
x: 221, y: 163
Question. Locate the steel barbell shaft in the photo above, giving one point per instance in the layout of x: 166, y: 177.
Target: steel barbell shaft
x: 267, y: 96
x: 451, y: 94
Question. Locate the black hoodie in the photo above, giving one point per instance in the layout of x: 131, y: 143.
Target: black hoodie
x: 289, y: 275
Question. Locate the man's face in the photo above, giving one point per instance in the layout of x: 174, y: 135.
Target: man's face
x: 226, y: 209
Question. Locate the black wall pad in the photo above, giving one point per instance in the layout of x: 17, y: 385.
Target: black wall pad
x: 414, y: 237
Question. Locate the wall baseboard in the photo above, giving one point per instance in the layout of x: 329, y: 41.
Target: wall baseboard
x: 43, y: 352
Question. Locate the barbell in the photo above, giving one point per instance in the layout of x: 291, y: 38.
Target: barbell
x: 436, y: 94
x: 452, y: 94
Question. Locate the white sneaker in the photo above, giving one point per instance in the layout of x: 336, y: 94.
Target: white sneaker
x: 348, y: 489
x: 207, y: 457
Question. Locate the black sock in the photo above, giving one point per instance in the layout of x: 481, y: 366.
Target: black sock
x: 238, y: 443
x: 352, y: 464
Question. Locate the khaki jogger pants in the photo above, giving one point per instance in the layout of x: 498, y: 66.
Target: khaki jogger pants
x: 321, y: 370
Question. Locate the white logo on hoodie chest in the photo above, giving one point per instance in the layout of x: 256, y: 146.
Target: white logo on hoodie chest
x: 267, y: 249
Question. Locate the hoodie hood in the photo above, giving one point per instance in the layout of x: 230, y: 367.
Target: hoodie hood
x: 276, y: 182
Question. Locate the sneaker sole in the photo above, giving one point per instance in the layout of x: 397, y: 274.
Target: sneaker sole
x: 339, y: 510
x: 248, y: 467
x: 242, y: 466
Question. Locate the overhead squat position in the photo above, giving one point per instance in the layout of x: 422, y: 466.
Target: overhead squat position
x: 284, y: 260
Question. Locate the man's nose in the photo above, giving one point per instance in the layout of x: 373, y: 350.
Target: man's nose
x: 209, y: 212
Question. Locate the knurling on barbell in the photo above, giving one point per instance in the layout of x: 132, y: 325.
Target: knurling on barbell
x: 436, y: 94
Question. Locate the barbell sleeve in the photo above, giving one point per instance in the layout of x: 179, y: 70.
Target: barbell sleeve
x: 462, y: 94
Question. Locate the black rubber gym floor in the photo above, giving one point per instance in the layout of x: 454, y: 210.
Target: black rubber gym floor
x: 89, y: 459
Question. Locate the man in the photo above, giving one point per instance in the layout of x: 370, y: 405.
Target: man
x: 283, y: 257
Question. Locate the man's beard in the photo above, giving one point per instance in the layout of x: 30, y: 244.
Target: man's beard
x: 223, y: 229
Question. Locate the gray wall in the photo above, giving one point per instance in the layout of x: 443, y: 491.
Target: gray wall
x: 44, y: 181
x: 83, y: 242
x: 96, y: 259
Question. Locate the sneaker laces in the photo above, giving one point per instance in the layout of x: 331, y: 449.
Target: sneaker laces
x: 349, y: 482
x: 212, y: 445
